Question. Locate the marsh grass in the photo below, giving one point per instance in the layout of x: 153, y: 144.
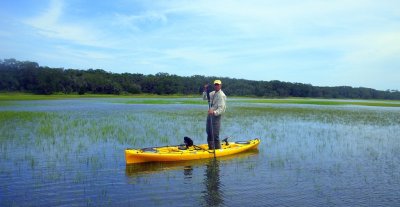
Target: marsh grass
x: 68, y: 131
x: 58, y: 136
x: 159, y: 101
x: 324, y: 102
x: 7, y: 99
x: 297, y: 136
x: 28, y: 96
x: 324, y: 115
x: 328, y: 102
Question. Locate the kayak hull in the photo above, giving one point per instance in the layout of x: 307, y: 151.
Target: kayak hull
x: 174, y: 153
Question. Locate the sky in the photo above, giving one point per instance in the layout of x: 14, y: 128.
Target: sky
x: 320, y: 42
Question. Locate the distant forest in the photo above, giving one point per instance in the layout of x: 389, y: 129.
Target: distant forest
x: 27, y: 76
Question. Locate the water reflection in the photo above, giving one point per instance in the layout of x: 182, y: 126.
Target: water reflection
x: 212, y: 194
x: 198, y: 179
x: 188, y: 172
x: 133, y: 170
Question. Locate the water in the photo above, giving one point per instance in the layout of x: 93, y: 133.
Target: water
x: 71, y: 153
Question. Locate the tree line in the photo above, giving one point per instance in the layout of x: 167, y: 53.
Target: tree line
x: 27, y: 76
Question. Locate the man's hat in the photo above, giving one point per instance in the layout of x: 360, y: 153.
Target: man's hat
x: 217, y: 82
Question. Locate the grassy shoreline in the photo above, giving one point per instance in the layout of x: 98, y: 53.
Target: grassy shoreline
x: 171, y: 99
x: 28, y: 96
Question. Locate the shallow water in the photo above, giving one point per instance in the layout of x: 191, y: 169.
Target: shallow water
x: 71, y: 153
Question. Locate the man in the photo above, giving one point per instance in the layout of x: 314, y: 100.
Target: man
x: 216, y: 109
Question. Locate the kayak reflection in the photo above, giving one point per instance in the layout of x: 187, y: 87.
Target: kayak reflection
x: 133, y: 170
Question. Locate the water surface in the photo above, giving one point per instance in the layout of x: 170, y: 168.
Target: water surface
x: 71, y: 153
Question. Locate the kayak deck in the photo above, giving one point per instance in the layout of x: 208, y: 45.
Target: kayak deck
x: 177, y: 153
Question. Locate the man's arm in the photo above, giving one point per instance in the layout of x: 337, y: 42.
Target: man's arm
x: 205, y: 90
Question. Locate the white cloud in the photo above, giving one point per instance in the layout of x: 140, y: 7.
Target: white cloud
x: 135, y: 22
x: 49, y: 25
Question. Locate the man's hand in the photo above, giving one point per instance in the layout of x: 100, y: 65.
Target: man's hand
x: 210, y: 111
x: 205, y: 87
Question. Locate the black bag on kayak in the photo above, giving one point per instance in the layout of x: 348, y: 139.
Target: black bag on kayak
x: 188, y: 142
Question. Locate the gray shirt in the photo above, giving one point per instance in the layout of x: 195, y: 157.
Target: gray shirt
x: 217, y: 100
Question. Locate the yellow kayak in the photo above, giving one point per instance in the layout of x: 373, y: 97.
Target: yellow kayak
x: 182, y: 153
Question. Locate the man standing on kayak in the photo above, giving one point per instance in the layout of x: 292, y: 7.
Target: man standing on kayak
x: 217, y: 101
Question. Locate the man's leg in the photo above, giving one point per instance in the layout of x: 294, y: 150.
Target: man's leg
x: 209, y: 133
x: 216, y: 128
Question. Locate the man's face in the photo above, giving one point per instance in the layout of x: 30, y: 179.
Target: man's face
x: 217, y: 87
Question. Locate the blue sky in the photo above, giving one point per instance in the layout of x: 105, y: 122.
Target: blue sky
x: 323, y: 43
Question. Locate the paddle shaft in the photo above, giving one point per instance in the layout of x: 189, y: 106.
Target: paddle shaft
x: 211, y: 120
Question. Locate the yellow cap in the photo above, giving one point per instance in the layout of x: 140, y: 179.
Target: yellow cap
x: 217, y: 82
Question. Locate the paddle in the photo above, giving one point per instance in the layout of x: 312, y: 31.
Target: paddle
x: 209, y: 107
